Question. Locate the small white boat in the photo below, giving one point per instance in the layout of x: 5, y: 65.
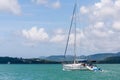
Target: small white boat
x: 8, y: 63
x: 93, y: 68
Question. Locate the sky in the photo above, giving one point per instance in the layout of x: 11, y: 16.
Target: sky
x: 34, y: 28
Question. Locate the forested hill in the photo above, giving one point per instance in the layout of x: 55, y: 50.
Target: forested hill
x: 111, y: 60
x: 102, y: 56
x: 11, y: 60
x: 99, y: 58
x: 95, y: 57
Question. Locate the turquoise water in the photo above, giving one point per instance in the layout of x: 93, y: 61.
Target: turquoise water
x: 55, y: 72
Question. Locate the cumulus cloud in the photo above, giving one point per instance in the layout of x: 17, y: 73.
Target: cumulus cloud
x: 11, y: 6
x: 46, y: 3
x: 105, y: 9
x: 83, y: 10
x: 102, y: 31
x: 79, y: 35
x: 99, y: 25
x: 61, y: 37
x: 116, y: 25
x: 59, y: 31
x: 35, y: 34
x: 58, y: 37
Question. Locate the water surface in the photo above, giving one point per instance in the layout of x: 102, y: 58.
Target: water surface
x: 55, y: 72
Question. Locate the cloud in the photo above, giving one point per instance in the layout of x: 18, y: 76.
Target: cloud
x: 83, y: 10
x: 47, y: 3
x: 41, y: 2
x: 79, y: 36
x: 61, y: 37
x: 58, y: 37
x: 35, y: 34
x: 56, y: 4
x: 101, y: 33
x: 59, y: 31
x: 11, y: 6
x: 105, y: 9
x: 116, y: 25
x: 99, y: 25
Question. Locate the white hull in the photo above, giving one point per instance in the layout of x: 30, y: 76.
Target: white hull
x: 89, y: 68
x: 74, y: 66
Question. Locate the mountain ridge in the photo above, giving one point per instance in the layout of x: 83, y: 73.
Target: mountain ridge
x: 96, y: 57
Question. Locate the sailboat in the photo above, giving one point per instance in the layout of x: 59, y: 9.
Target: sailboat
x: 75, y: 65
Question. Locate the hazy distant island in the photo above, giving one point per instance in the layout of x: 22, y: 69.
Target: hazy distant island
x: 100, y: 58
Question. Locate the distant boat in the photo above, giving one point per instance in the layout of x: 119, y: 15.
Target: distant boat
x: 75, y: 65
x: 8, y: 63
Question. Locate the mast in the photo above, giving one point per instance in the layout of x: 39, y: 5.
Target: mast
x: 75, y: 16
x: 72, y: 20
x: 74, y: 10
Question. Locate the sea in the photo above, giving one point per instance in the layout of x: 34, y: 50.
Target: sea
x: 55, y: 72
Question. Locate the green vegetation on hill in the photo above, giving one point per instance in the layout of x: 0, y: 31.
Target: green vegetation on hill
x: 115, y: 59
x: 11, y: 60
x: 96, y: 58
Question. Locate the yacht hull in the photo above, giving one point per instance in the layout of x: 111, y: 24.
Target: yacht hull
x: 74, y: 66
